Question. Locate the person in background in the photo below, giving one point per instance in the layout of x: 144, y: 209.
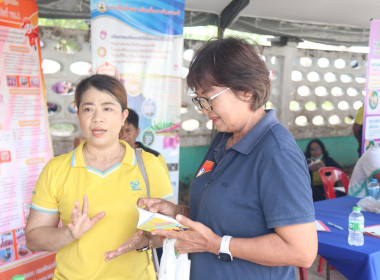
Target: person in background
x: 129, y: 133
x: 251, y: 213
x: 77, y: 141
x: 366, y: 168
x: 63, y: 87
x: 102, y: 172
x: 318, y: 157
x: 357, y: 127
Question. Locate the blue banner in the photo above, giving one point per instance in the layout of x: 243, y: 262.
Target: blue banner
x: 158, y: 18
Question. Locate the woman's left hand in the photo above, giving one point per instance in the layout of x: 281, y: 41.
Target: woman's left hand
x: 138, y: 241
x: 198, y: 238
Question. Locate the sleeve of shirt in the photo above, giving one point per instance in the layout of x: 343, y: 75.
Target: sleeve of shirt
x: 365, y: 169
x: 285, y: 191
x: 159, y: 182
x: 43, y: 198
x: 357, y: 189
x: 357, y: 185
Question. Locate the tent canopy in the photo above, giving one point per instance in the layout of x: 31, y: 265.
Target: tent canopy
x: 339, y: 22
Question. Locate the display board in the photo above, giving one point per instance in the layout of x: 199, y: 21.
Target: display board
x: 371, y: 116
x: 141, y: 43
x: 25, y: 144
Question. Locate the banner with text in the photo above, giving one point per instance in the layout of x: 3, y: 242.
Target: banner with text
x: 25, y: 144
x: 141, y: 43
x: 371, y: 117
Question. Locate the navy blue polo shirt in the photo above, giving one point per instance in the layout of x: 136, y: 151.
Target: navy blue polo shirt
x: 247, y: 190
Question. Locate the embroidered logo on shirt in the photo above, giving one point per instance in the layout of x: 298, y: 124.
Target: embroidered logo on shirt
x: 135, y: 186
x: 206, y: 167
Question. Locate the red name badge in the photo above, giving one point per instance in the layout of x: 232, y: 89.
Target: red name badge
x: 206, y: 167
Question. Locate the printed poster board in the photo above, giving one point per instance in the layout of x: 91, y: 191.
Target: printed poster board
x: 141, y: 43
x: 371, y: 116
x: 25, y: 144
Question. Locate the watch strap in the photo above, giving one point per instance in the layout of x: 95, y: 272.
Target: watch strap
x: 225, y: 245
x: 224, y: 251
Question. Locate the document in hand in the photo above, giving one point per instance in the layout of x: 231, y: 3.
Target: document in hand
x: 315, y: 165
x: 149, y: 221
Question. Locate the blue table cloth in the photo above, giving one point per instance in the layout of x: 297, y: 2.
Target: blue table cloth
x: 354, y: 262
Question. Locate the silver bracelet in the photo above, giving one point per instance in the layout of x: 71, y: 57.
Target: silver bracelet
x: 143, y: 249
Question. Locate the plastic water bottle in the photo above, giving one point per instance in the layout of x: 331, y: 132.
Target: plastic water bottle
x: 373, y: 188
x: 356, y: 227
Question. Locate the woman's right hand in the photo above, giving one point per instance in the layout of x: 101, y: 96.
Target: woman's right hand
x: 81, y: 222
x: 139, y: 240
x: 159, y: 205
x: 43, y: 233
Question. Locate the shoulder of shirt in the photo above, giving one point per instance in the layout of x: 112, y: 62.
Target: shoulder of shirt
x: 148, y: 150
x: 56, y: 163
x: 148, y: 157
x: 361, y: 110
x: 149, y: 160
x: 57, y: 160
x: 281, y: 135
x: 279, y: 139
x: 373, y: 152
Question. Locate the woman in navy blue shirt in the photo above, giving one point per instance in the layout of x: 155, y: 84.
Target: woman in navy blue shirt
x: 251, y: 214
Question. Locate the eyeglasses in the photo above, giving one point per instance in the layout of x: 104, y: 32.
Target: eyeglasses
x: 204, y: 103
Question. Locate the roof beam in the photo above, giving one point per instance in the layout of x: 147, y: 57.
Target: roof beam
x: 229, y: 14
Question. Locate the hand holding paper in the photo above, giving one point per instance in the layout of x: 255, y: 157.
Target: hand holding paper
x: 149, y: 221
x: 199, y: 238
x: 315, y: 165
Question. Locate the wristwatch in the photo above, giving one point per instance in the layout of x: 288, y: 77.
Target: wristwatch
x: 224, y: 251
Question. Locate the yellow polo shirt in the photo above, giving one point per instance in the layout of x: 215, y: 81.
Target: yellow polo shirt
x: 359, y: 115
x: 163, y: 162
x: 66, y: 179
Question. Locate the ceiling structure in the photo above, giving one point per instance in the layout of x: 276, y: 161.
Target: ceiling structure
x: 329, y: 12
x: 338, y: 22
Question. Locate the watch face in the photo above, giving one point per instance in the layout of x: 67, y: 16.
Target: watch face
x: 225, y: 257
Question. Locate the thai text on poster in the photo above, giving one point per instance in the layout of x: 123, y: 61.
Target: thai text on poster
x: 25, y: 145
x: 141, y: 43
x: 371, y: 116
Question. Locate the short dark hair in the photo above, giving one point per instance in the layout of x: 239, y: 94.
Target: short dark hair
x: 231, y: 62
x: 325, y: 153
x: 132, y: 118
x: 105, y: 83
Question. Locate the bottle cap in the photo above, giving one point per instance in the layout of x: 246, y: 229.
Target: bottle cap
x: 356, y: 208
x: 18, y: 277
x: 373, y: 180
